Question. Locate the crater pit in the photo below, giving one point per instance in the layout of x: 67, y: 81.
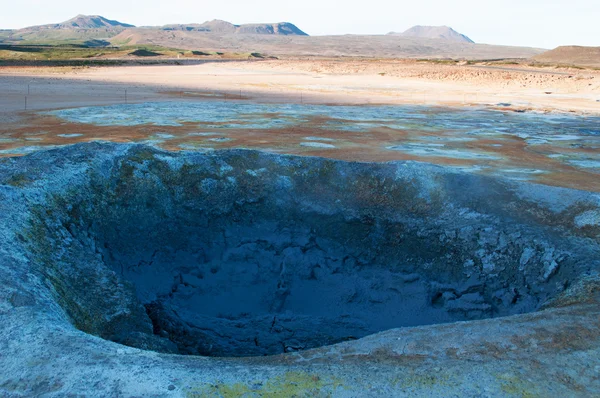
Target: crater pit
x: 243, y: 253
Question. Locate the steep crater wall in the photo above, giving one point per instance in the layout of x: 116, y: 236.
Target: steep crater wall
x: 242, y: 253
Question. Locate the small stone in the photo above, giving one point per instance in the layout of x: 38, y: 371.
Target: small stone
x: 550, y: 269
x: 171, y: 387
x: 526, y: 257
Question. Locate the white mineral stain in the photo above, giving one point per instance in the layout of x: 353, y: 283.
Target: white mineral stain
x: 317, y: 145
x: 590, y: 218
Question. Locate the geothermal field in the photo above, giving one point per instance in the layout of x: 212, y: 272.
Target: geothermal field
x: 303, y: 221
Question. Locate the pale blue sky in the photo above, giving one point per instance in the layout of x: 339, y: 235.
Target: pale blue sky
x: 536, y: 23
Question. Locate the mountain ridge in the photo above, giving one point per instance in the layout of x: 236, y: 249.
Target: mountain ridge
x: 97, y: 22
x: 434, y: 32
x: 82, y: 22
x: 220, y: 26
x: 278, y: 39
x: 95, y: 28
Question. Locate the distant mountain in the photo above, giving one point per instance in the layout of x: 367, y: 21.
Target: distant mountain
x: 5, y: 34
x: 282, y: 28
x: 434, y: 32
x: 214, y: 26
x: 83, y: 22
x: 86, y: 29
x: 82, y: 29
x: 224, y: 27
x: 277, y: 39
x: 92, y: 22
x: 571, y: 55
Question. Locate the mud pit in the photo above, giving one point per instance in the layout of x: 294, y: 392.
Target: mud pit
x: 242, y: 253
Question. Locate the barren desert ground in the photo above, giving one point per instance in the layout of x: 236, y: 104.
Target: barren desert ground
x: 568, y: 160
x: 319, y: 81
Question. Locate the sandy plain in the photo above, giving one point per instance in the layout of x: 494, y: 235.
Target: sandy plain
x: 350, y: 81
x: 505, y: 88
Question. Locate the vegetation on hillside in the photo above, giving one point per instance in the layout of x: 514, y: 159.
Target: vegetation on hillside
x: 80, y: 54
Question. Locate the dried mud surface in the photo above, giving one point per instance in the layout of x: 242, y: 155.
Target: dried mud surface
x: 559, y: 155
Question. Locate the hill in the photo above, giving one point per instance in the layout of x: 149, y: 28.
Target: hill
x: 571, y: 55
x: 85, y: 29
x: 224, y: 27
x: 278, y: 39
x: 81, y: 22
x: 434, y: 32
x: 80, y: 29
x: 5, y: 34
x: 380, y: 46
x: 90, y: 22
x: 282, y: 28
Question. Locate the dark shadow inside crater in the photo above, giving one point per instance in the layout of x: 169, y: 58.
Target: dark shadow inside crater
x: 241, y: 254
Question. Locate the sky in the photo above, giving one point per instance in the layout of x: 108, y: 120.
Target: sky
x: 534, y: 23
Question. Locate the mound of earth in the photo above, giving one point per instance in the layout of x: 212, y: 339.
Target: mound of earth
x: 574, y: 55
x: 434, y: 32
x: 144, y: 53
